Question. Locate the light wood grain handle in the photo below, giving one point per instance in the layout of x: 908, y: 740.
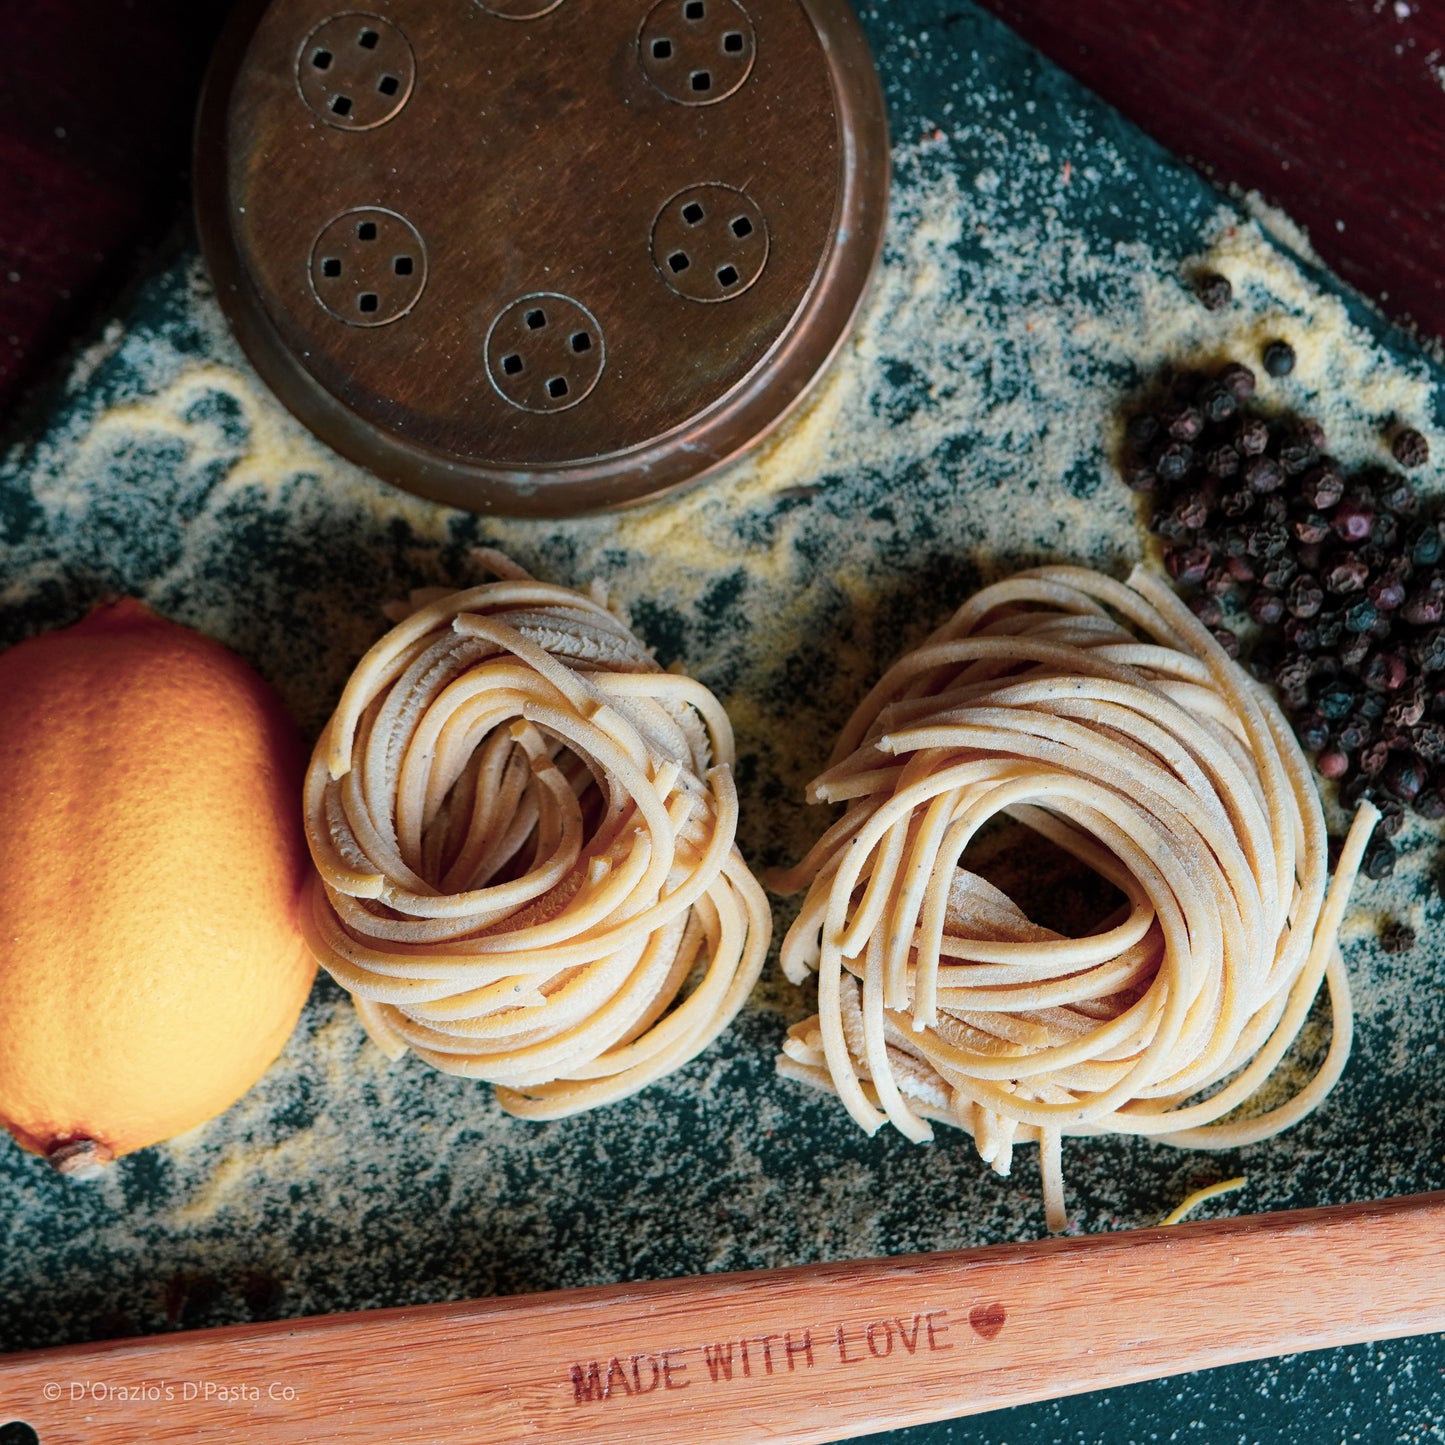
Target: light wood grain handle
x: 800, y: 1355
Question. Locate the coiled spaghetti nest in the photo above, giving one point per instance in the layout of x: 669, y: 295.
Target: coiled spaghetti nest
x: 1106, y: 719
x: 523, y: 834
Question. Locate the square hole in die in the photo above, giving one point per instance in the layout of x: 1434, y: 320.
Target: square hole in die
x: 512, y: 365
x: 403, y: 265
x: 742, y: 227
x: 536, y: 319
x: 557, y: 387
x: 366, y: 230
x: 331, y: 267
x: 694, y: 9
x: 727, y: 276
x: 733, y: 42
x: 368, y: 301
x: 581, y: 342
x: 693, y: 213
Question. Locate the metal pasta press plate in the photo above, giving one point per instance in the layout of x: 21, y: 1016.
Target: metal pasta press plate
x: 542, y: 256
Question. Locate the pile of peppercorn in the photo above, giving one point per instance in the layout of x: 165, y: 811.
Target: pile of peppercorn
x: 1343, y: 575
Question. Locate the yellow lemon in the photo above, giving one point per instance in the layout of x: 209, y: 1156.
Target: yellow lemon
x: 151, y: 862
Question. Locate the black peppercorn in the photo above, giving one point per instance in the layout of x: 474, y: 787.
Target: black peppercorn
x: 1372, y: 759
x: 1266, y: 608
x: 1278, y: 573
x: 1140, y: 478
x: 1397, y: 938
x: 1428, y: 650
x: 1305, y: 596
x: 1252, y: 437
x: 1353, y: 733
x: 1321, y: 487
x: 1314, y: 732
x: 1423, y: 607
x: 1410, y: 448
x: 1391, y: 819
x: 1239, y: 379
x: 1236, y: 503
x: 1207, y: 609
x: 1387, y: 592
x: 1404, y: 776
x: 1429, y: 741
x: 1296, y: 455
x: 1379, y: 861
x: 1227, y: 640
x: 1354, y: 648
x: 1173, y: 462
x: 1346, y: 576
x: 1279, y: 358
x: 1293, y: 673
x: 1185, y: 424
x: 1188, y: 564
x: 1351, y: 519
x: 1217, y: 403
x: 1266, y: 539
x: 1213, y: 290
x: 1263, y: 474
x: 1407, y: 708
x: 1430, y: 805
x: 1275, y: 508
x: 1222, y: 462
x: 1219, y: 582
x: 1425, y: 545
x: 1385, y: 531
x: 1399, y: 496
x: 1300, y: 634
x: 1192, y: 510
x: 1335, y: 699
x: 1141, y: 429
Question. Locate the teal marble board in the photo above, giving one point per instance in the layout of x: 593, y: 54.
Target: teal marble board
x: 1034, y: 274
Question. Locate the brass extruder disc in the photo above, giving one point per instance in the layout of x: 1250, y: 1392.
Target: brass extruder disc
x: 542, y: 256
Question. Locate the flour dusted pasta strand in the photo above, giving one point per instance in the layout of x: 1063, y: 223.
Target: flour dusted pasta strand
x: 523, y: 835
x: 1105, y: 718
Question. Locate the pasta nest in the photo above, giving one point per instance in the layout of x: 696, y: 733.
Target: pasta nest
x: 1105, y: 718
x: 523, y: 834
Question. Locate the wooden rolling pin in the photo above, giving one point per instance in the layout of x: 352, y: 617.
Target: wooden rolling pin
x: 808, y: 1354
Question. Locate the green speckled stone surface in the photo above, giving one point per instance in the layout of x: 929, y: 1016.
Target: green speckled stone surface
x: 1032, y: 276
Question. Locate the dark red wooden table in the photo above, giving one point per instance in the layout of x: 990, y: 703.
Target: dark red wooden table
x: 1332, y: 109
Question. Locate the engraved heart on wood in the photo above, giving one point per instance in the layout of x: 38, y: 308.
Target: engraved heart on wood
x: 988, y: 1320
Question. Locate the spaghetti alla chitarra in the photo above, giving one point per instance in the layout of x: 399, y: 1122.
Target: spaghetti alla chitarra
x: 523, y: 834
x: 1105, y: 718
